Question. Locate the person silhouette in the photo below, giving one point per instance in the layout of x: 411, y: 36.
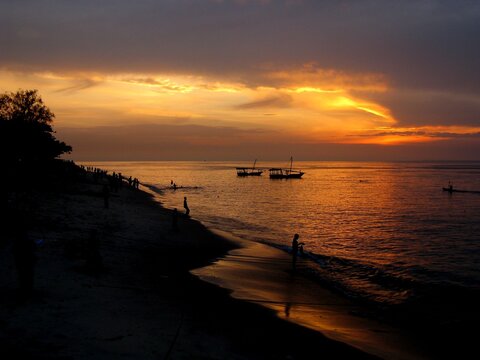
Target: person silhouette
x: 294, y: 250
x: 185, y: 205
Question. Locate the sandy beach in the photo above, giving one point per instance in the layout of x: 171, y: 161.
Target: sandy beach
x: 138, y: 299
x: 262, y: 274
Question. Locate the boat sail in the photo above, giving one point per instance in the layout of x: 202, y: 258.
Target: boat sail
x: 249, y: 171
x: 282, y: 173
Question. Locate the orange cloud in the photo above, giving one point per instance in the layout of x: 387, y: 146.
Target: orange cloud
x: 426, y: 134
x: 310, y: 104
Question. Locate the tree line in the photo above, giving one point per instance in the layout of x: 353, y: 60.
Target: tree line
x: 26, y: 133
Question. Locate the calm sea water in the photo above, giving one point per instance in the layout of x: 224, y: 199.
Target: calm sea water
x: 385, y: 232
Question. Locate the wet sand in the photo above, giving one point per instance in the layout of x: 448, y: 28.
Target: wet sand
x: 142, y: 303
x: 262, y: 274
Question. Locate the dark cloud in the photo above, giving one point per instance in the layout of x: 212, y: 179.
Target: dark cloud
x: 79, y: 85
x: 277, y: 101
x: 430, y: 44
x: 166, y: 141
x: 431, y: 108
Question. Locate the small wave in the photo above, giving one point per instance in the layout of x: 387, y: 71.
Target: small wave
x: 360, y: 281
x: 154, y: 188
x: 161, y: 190
x: 233, y: 225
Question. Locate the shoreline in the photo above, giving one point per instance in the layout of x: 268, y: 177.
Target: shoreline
x: 436, y: 320
x: 142, y: 302
x: 261, y: 274
x: 391, y: 333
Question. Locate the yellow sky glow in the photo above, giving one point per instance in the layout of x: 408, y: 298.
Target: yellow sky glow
x: 313, y: 105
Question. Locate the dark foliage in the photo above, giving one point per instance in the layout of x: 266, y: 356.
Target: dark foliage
x: 26, y: 134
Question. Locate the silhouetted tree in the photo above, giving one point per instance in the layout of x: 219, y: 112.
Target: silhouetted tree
x: 26, y: 134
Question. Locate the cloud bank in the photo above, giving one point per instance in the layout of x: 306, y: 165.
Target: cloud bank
x: 411, y: 65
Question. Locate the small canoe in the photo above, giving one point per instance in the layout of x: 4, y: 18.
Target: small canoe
x: 451, y: 190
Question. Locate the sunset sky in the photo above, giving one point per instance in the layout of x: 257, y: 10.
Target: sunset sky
x: 245, y: 79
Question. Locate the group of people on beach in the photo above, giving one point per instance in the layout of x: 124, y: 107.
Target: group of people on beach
x: 97, y: 173
x: 134, y: 183
x: 115, y: 181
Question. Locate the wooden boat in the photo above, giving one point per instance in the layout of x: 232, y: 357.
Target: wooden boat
x: 281, y: 173
x: 249, y: 171
x: 451, y: 190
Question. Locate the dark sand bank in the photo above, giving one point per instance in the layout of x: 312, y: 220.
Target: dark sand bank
x: 131, y: 295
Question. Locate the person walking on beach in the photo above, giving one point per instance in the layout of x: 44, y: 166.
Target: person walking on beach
x: 185, y: 205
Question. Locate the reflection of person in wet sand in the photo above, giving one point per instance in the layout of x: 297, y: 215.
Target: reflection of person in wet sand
x: 185, y: 205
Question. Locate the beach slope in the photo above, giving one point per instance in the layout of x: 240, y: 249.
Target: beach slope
x: 115, y: 282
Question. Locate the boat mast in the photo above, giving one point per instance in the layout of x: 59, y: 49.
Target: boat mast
x: 254, y: 164
x: 291, y: 163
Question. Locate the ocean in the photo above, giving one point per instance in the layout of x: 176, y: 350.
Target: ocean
x: 384, y: 233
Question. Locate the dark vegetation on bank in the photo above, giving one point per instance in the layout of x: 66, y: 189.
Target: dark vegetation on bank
x: 29, y: 155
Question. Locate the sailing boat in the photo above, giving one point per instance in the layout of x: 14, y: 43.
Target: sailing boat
x: 280, y: 173
x: 249, y: 171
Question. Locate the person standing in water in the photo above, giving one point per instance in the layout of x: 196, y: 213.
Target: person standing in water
x: 294, y: 250
x: 185, y: 205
